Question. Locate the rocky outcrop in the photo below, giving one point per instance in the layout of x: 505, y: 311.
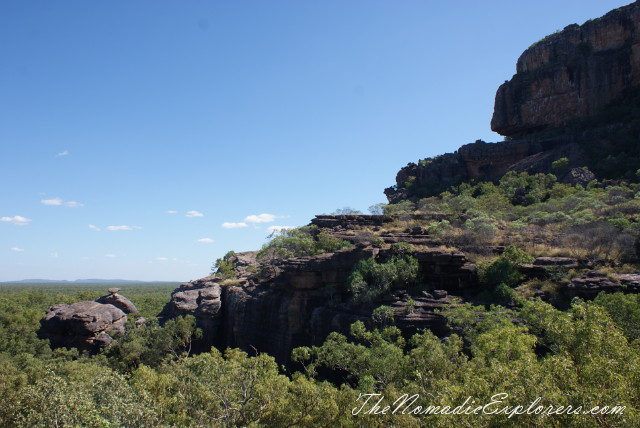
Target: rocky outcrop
x: 350, y: 221
x: 83, y: 325
x: 589, y: 285
x: 86, y: 325
x: 303, y: 299
x: 571, y: 74
x: 120, y: 302
x: 479, y: 160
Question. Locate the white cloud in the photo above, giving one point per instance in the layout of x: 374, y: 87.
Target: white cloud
x: 205, y: 240
x: 111, y: 256
x: 162, y: 259
x: 92, y: 227
x: 59, y: 201
x: 17, y: 250
x: 260, y: 218
x: 63, y: 153
x: 54, y: 201
x: 278, y: 229
x: 17, y: 220
x: 233, y: 225
x: 123, y: 227
x: 172, y: 212
x: 87, y: 258
x: 194, y: 214
x: 54, y: 254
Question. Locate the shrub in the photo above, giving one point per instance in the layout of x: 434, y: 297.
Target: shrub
x: 225, y: 267
x: 501, y: 271
x: 383, y: 315
x: 370, y: 279
x: 516, y: 255
x: 560, y: 167
x: 299, y: 242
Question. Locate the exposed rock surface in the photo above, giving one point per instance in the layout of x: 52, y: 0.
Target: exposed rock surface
x: 305, y: 300
x: 573, y: 74
x: 86, y: 325
x: 480, y: 160
x: 570, y: 74
x: 345, y: 220
x: 83, y: 325
x: 120, y: 302
x: 592, y: 283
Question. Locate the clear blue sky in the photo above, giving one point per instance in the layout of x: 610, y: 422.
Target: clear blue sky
x: 135, y: 134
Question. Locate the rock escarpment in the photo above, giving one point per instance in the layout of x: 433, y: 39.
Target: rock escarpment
x: 571, y: 74
x: 303, y: 299
x: 479, y: 160
x: 86, y: 325
x: 572, y: 78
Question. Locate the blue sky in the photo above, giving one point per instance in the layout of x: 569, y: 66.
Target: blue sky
x: 136, y: 135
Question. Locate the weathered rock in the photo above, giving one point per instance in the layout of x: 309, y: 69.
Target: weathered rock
x: 571, y: 74
x: 120, y: 302
x: 83, y: 325
x: 565, y: 262
x: 480, y: 160
x: 348, y: 220
x: 301, y: 304
x: 589, y: 285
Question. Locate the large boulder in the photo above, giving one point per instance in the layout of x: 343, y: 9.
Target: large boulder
x: 83, y: 325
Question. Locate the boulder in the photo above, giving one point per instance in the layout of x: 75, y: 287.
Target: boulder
x: 120, y: 302
x: 83, y: 325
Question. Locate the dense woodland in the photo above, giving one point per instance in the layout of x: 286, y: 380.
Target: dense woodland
x: 504, y: 341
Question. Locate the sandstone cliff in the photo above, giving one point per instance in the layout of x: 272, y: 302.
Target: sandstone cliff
x: 571, y: 74
x: 560, y: 103
x: 304, y: 298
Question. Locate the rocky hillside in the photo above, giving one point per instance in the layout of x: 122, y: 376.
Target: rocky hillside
x: 527, y: 235
x: 575, y: 95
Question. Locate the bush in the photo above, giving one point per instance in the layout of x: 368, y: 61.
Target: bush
x: 516, y: 255
x: 370, y: 279
x: 300, y: 242
x: 225, y: 267
x: 383, y: 315
x: 501, y: 271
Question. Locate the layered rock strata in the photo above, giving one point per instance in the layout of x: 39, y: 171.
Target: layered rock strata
x: 306, y: 300
x: 571, y: 74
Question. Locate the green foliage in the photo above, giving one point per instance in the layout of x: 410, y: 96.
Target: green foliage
x: 152, y: 344
x: 370, y: 279
x: 377, y: 209
x: 225, y: 267
x: 560, y: 166
x: 516, y: 255
x: 346, y: 210
x: 299, y: 242
x: 383, y: 315
x: 501, y: 271
x: 624, y: 310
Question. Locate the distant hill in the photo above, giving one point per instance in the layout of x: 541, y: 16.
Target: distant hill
x: 85, y: 281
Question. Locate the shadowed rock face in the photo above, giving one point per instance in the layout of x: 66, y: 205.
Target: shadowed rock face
x: 571, y: 74
x: 298, y: 306
x: 86, y: 325
x: 83, y: 325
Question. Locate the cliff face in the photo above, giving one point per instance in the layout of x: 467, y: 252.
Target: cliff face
x: 479, y: 160
x: 571, y: 74
x: 577, y: 73
x: 304, y: 299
